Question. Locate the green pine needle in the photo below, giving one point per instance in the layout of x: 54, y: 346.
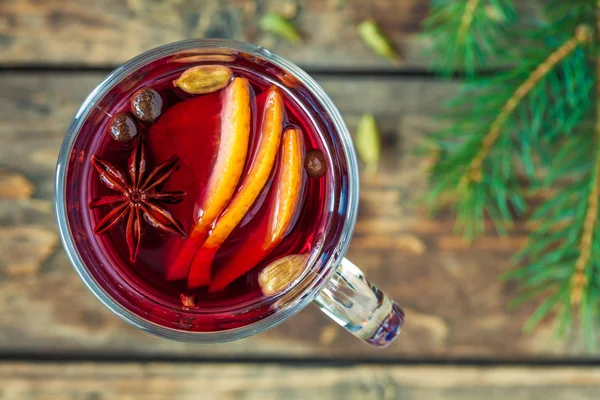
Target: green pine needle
x: 465, y: 34
x: 526, y: 130
x: 556, y: 255
x: 493, y: 130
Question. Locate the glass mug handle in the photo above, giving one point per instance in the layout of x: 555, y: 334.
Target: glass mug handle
x: 365, y: 311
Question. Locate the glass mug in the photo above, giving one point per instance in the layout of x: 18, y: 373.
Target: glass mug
x: 330, y: 281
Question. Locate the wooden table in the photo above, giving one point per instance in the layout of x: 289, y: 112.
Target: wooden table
x: 460, y: 341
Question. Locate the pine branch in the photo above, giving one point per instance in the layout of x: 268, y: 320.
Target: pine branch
x: 563, y: 254
x: 569, y: 14
x: 579, y: 281
x: 496, y: 128
x: 467, y: 19
x: 528, y: 125
x: 498, y: 118
x: 466, y: 33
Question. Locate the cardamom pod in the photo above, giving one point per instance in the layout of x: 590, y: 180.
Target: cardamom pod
x: 277, y: 25
x: 368, y: 142
x: 204, y: 79
x: 374, y: 39
x: 281, y: 273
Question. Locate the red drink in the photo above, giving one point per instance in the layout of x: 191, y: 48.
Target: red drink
x: 143, y: 247
x: 207, y: 190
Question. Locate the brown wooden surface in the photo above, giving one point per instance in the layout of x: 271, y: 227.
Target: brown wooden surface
x: 455, y: 303
x: 19, y: 381
x: 108, y: 32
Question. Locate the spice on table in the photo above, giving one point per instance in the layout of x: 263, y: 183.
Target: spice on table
x: 280, y: 26
x: 368, y: 142
x: 374, y: 39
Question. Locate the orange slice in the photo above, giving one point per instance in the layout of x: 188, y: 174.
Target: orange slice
x: 282, y: 207
x: 252, y: 184
x: 226, y: 173
x: 287, y: 191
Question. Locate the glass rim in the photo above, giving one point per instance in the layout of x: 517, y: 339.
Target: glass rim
x: 329, y: 267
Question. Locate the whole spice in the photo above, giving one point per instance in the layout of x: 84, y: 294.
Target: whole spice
x: 280, y: 26
x: 137, y: 197
x: 122, y: 127
x: 204, y: 79
x: 146, y: 105
x: 374, y: 39
x: 368, y: 142
x: 315, y: 163
x: 281, y: 273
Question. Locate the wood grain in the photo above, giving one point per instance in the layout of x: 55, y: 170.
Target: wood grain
x: 455, y: 303
x: 21, y: 381
x: 108, y: 32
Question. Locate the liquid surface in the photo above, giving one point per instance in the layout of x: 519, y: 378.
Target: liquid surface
x: 190, y: 128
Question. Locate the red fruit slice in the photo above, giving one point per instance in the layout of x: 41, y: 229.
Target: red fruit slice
x: 177, y: 132
x: 282, y: 206
x: 252, y: 184
x: 226, y: 173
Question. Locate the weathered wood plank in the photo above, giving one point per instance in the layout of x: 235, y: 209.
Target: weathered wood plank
x: 456, y: 305
x: 108, y: 32
x: 21, y: 381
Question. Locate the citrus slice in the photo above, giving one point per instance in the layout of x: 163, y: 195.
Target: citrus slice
x: 282, y: 207
x: 251, y: 186
x: 226, y: 173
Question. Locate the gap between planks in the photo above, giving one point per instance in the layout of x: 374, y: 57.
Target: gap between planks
x: 391, y: 72
x: 134, y: 358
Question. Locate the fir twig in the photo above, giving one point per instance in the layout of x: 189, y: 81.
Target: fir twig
x: 531, y: 116
x: 475, y: 167
x: 564, y: 252
x: 579, y: 281
x: 467, y: 19
x: 496, y: 119
x: 466, y: 33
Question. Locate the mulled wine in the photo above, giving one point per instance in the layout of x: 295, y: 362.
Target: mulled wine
x: 202, y: 173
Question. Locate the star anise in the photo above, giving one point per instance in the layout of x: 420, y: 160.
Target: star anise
x: 137, y: 197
